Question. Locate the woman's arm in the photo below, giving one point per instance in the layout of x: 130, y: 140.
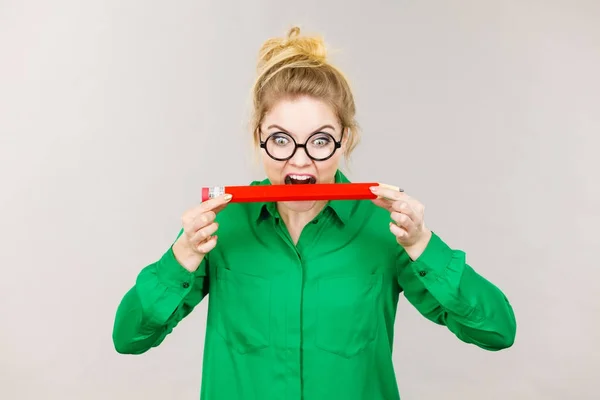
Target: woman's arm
x: 168, y: 290
x: 446, y: 290
x: 164, y: 293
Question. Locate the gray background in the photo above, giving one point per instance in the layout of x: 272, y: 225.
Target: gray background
x: 114, y: 113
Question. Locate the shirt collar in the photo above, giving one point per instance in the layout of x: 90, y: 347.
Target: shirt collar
x: 342, y: 209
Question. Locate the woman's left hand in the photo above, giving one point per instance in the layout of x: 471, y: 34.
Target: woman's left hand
x: 407, y: 215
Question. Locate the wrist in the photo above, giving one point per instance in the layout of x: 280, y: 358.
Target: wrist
x: 187, y: 257
x: 415, y: 250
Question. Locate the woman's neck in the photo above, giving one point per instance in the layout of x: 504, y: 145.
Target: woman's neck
x: 295, y: 221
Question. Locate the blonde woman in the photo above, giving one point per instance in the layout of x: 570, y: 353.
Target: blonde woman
x: 303, y: 295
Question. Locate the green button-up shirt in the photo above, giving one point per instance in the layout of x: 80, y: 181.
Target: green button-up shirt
x: 314, y: 320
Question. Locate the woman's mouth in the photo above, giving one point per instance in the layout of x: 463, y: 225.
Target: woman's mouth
x: 295, y: 179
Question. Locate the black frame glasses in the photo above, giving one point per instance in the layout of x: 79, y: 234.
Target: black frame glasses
x: 337, y: 145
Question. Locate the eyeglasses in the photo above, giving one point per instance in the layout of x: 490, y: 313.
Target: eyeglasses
x: 319, y: 146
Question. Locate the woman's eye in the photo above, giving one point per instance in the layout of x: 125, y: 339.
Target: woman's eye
x: 280, y: 140
x: 321, y: 142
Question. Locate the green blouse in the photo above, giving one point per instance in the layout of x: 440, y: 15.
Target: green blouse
x: 315, y: 320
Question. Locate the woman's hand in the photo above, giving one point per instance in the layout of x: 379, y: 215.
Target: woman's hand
x: 407, y: 215
x: 199, y: 228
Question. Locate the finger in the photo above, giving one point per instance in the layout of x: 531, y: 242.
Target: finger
x: 404, y: 221
x: 387, y: 192
x: 215, y: 205
x: 398, y: 231
x: 211, y: 204
x: 202, y: 220
x: 387, y: 204
x: 204, y: 233
x: 383, y: 203
x: 404, y: 207
x: 193, y: 220
x: 207, y: 245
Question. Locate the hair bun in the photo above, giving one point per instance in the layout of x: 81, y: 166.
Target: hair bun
x: 293, y: 46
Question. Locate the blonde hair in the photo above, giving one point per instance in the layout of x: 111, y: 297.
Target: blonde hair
x: 297, y: 65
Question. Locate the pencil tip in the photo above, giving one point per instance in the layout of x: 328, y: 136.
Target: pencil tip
x: 385, y: 185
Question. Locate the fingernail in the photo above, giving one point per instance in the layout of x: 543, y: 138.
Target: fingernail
x: 228, y: 197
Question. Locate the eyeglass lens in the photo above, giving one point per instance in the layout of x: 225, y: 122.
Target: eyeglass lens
x: 318, y: 146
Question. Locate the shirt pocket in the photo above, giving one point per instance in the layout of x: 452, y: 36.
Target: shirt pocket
x: 243, y: 310
x: 347, y: 313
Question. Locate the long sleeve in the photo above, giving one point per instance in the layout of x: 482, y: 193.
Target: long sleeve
x: 164, y: 293
x: 446, y: 290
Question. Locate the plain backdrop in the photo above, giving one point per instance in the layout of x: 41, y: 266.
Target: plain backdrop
x: 114, y: 113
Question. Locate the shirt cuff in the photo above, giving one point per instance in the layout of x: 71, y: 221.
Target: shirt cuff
x: 172, y: 274
x: 435, y: 258
x: 440, y: 269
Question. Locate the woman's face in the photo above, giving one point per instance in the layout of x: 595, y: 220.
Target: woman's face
x: 300, y: 119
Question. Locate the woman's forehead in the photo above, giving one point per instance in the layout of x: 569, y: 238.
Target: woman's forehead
x: 301, y: 116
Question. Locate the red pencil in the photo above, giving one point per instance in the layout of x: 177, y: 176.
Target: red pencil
x: 300, y: 192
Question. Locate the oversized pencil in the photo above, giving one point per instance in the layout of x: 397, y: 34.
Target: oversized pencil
x: 299, y: 192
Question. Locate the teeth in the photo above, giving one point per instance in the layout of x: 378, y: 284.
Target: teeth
x: 300, y: 177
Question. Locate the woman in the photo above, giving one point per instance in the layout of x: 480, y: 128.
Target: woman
x: 303, y: 295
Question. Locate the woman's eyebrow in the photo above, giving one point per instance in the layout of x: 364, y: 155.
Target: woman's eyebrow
x: 325, y: 127
x: 276, y: 127
x: 285, y: 130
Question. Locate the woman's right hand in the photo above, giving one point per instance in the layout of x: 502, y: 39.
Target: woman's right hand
x: 198, y: 237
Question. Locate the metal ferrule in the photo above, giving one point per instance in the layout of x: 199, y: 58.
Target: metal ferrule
x: 216, y: 191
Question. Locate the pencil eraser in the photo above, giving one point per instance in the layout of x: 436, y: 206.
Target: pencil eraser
x: 204, y: 194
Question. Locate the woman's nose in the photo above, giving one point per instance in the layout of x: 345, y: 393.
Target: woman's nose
x: 300, y: 158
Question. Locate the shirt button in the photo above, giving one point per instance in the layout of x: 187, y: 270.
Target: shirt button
x: 422, y: 273
x: 185, y: 285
